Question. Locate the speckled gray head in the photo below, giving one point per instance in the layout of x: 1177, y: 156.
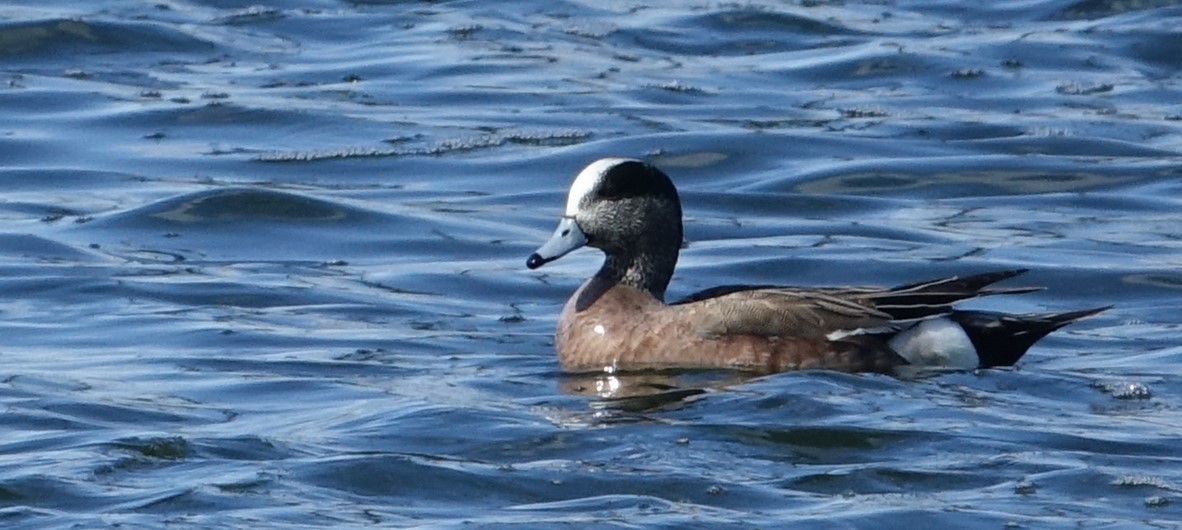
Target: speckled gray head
x: 614, y: 204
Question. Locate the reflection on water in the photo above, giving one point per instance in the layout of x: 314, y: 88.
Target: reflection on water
x: 263, y: 265
x: 642, y: 392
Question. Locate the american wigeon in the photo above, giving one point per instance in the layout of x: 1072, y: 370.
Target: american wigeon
x: 618, y: 319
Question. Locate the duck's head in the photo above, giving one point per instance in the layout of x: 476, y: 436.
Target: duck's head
x: 631, y: 211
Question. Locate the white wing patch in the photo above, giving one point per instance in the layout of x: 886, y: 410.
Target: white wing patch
x: 586, y: 181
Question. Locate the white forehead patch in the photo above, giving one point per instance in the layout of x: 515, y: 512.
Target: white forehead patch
x: 586, y: 181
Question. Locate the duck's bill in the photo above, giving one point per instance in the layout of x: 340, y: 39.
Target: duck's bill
x: 566, y: 238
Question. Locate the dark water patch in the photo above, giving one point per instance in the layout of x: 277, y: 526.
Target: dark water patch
x: 240, y: 222
x: 848, y: 481
x: 170, y: 448
x: 70, y: 37
x: 732, y: 31
x: 1154, y: 48
x: 989, y: 175
x: 1073, y: 147
x: 237, y: 206
x: 824, y: 445
x: 218, y: 113
x: 222, y: 113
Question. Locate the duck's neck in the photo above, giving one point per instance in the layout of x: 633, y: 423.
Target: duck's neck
x: 649, y: 269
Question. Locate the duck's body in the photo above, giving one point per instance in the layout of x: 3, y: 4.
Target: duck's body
x: 618, y: 319
x: 592, y: 336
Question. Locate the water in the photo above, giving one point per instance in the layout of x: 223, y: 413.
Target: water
x: 264, y: 267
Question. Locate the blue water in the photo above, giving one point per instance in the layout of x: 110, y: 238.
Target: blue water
x: 264, y: 267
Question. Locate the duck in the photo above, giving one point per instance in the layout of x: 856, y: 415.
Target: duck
x: 618, y: 320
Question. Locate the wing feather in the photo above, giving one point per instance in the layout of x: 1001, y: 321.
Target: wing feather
x: 831, y: 312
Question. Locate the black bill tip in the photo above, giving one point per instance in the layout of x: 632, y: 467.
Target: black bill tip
x: 535, y: 260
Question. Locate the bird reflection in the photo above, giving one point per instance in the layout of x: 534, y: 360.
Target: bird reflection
x: 646, y: 391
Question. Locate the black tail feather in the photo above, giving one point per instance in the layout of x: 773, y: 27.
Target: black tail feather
x: 1002, y: 339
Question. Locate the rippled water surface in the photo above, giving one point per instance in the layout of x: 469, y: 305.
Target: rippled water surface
x: 263, y: 267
